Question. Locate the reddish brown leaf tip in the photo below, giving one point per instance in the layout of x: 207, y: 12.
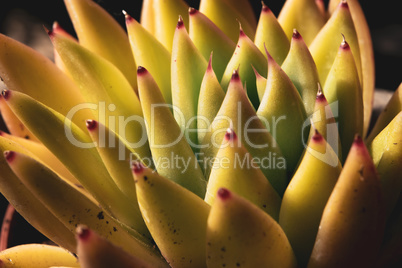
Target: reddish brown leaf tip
x: 242, y: 33
x: 6, y: 94
x: 265, y: 8
x: 1, y: 133
x: 50, y: 33
x: 223, y: 193
x: 230, y: 135
x: 358, y: 141
x: 180, y: 23
x: 320, y: 94
x: 137, y: 167
x: 296, y: 35
x: 91, y: 124
x: 83, y: 232
x: 235, y: 75
x: 55, y: 25
x: 9, y: 156
x: 317, y: 137
x: 127, y: 16
x: 344, y: 44
x: 192, y: 11
x: 141, y: 70
x: 344, y: 4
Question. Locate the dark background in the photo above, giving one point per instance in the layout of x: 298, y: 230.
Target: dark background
x: 21, y: 19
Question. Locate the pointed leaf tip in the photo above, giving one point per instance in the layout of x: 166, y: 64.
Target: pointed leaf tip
x: 6, y: 94
x: 192, y: 11
x: 358, y: 141
x: 296, y: 35
x: 265, y: 8
x: 180, y: 23
x: 141, y: 70
x: 9, y: 155
x: 230, y: 135
x: 91, y: 124
x: 137, y: 167
x: 127, y: 16
x: 344, y: 44
x: 235, y: 75
x: 83, y: 232
x: 223, y: 194
x: 344, y: 4
x: 320, y: 94
x: 242, y: 34
x: 317, y: 137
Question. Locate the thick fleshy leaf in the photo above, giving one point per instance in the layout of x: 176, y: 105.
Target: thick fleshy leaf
x: 209, y: 102
x: 172, y: 155
x: 151, y: 54
x: 284, y: 115
x: 246, y: 57
x: 325, y: 45
x: 237, y: 113
x: 107, y: 92
x: 353, y: 218
x: 207, y: 37
x: 303, y: 15
x: 75, y: 149
x: 38, y: 77
x: 270, y: 35
x: 307, y: 194
x: 366, y: 55
x: 166, y: 13
x: 246, y: 180
x: 27, y: 205
x: 98, y: 31
x: 176, y: 218
x: 227, y: 18
x: 240, y: 234
x: 343, y: 92
x: 301, y: 69
x: 188, y: 69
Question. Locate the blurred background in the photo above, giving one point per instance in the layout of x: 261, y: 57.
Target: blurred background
x: 24, y: 20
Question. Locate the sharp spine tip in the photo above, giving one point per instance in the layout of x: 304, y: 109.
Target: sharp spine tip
x: 127, y: 17
x: 320, y: 94
x: 265, y: 8
x: 344, y: 44
x: 180, y: 23
x: 235, y: 75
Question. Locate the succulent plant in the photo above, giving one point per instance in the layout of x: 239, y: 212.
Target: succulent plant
x: 202, y: 137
